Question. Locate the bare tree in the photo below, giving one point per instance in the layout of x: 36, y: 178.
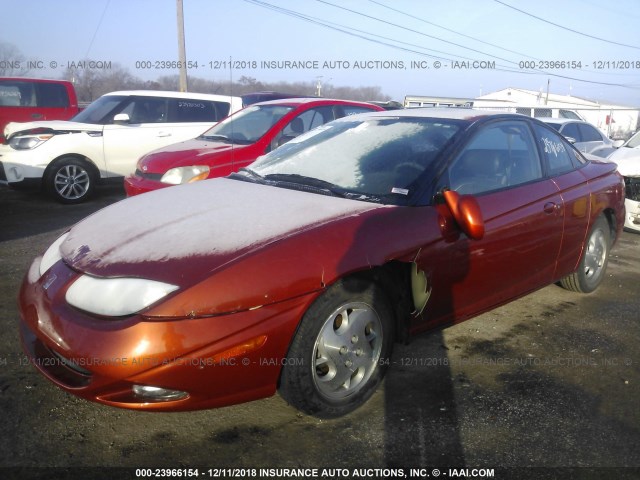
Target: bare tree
x: 91, y: 83
x: 249, y: 84
x: 12, y: 62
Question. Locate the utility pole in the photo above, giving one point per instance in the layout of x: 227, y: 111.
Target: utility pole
x: 181, y: 48
x: 546, y: 99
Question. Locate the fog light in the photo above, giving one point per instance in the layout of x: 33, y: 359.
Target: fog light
x: 158, y: 394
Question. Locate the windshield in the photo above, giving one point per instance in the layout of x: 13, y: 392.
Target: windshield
x: 248, y: 125
x: 634, y: 142
x: 380, y: 158
x: 98, y: 111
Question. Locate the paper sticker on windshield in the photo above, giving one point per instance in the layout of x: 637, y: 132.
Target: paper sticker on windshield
x: 400, y: 191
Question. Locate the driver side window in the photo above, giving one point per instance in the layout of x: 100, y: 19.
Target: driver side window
x: 304, y: 122
x: 500, y: 155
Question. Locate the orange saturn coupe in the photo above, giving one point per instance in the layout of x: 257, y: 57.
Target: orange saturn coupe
x: 298, y: 273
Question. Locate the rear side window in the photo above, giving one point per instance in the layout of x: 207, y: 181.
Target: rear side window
x: 557, y: 153
x: 52, y: 95
x: 191, y: 110
x: 17, y: 94
x: 568, y: 114
x: 589, y: 133
x: 571, y: 130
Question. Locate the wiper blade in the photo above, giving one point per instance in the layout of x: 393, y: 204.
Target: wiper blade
x: 247, y: 174
x: 323, y: 186
x: 302, y: 182
x: 220, y: 138
x: 301, y: 179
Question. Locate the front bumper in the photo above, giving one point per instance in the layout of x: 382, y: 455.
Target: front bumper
x: 632, y: 203
x: 632, y: 216
x: 217, y: 361
x: 17, y: 180
x: 136, y: 184
x: 17, y: 167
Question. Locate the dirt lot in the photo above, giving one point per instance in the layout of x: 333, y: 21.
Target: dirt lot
x: 552, y: 380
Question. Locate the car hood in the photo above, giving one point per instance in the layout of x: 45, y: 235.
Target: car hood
x: 14, y: 128
x: 190, y: 152
x: 628, y: 161
x: 182, y: 234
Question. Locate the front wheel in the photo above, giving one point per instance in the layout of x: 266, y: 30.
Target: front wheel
x: 341, y: 350
x: 593, y: 263
x: 70, y: 180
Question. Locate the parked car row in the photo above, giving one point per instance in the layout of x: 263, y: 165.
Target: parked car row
x: 299, y: 272
x: 237, y: 141
x: 157, y: 139
x: 105, y: 141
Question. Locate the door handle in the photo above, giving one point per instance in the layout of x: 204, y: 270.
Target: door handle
x: 36, y: 115
x: 551, y: 207
x: 164, y: 134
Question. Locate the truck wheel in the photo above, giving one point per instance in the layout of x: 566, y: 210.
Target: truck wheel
x: 70, y: 180
x: 341, y: 350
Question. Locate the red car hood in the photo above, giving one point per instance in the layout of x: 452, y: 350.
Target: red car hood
x: 180, y: 235
x: 191, y: 152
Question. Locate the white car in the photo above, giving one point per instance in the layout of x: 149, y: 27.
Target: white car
x: 628, y: 159
x: 105, y: 140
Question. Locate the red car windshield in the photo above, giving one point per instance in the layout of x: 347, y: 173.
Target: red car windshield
x: 248, y: 125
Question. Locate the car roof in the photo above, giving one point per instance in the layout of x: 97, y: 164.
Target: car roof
x: 36, y: 80
x: 312, y: 100
x: 453, y: 113
x: 171, y: 94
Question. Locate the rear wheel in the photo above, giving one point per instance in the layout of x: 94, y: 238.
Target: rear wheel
x: 594, y: 260
x: 70, y: 180
x: 341, y: 350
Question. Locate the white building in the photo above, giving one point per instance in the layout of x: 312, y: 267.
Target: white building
x: 614, y: 120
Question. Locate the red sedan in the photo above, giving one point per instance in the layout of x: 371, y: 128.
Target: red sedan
x: 300, y: 272
x: 237, y: 141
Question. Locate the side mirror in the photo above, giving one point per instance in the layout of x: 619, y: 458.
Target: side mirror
x: 466, y: 212
x: 618, y: 143
x: 121, y: 118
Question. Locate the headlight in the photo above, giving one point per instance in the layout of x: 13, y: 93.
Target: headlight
x: 28, y: 142
x: 115, y: 297
x: 189, y: 174
x: 52, y: 255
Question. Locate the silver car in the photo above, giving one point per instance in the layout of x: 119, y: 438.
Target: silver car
x: 584, y: 136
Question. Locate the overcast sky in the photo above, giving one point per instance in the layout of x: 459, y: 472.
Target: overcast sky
x: 394, y: 44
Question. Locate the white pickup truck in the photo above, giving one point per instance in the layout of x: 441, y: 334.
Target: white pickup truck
x: 105, y: 140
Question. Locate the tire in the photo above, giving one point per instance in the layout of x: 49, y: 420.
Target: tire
x: 70, y: 180
x: 341, y: 350
x: 593, y: 263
